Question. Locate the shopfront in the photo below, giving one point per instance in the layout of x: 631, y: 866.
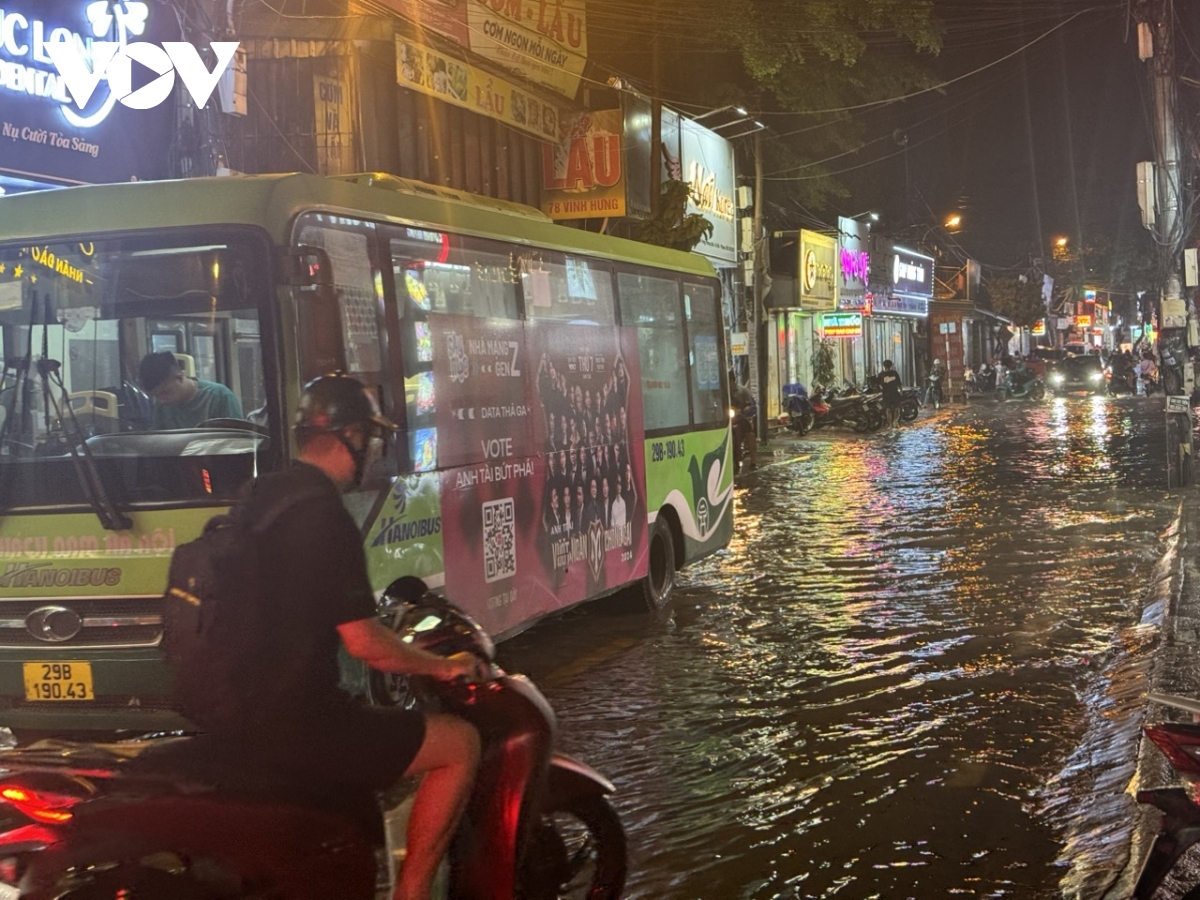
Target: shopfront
x: 804, y: 285
x: 854, y: 272
x: 896, y: 309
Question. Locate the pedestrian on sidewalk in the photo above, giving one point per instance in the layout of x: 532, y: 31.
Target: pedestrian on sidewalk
x: 889, y: 384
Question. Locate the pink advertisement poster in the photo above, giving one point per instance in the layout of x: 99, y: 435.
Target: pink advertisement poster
x: 543, y: 508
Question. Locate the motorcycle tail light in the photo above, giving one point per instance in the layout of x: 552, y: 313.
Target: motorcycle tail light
x: 1180, y: 744
x: 53, y: 809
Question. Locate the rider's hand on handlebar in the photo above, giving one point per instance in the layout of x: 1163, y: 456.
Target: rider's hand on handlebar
x: 464, y: 667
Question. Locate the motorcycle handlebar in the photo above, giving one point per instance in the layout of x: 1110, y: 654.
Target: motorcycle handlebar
x: 1187, y: 704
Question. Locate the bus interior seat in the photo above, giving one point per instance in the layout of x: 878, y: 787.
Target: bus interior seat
x: 135, y: 409
x: 187, y: 362
x: 95, y: 410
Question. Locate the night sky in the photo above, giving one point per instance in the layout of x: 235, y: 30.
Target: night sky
x: 1041, y: 145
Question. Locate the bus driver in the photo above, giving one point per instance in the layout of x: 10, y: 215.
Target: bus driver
x: 180, y: 401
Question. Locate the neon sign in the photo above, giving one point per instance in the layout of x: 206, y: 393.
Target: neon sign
x: 842, y: 324
x: 855, y: 264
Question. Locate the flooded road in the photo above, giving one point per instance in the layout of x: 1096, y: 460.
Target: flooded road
x: 887, y: 683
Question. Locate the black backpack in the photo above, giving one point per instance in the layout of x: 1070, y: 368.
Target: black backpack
x: 217, y: 618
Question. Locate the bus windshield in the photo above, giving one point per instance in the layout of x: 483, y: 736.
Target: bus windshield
x: 76, y: 320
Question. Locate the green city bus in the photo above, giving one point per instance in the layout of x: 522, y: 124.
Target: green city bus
x: 561, y: 396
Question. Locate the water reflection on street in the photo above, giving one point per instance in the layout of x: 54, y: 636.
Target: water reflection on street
x: 875, y: 691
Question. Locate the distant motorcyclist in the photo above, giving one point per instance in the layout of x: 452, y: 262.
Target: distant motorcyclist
x: 1019, y: 375
x: 745, y: 423
x: 934, y: 393
x: 1148, y: 371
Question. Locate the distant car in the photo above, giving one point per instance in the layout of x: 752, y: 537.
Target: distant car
x: 1040, y: 359
x: 1076, y: 373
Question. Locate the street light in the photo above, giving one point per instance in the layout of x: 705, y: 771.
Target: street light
x: 712, y: 112
x: 758, y: 126
x: 953, y: 221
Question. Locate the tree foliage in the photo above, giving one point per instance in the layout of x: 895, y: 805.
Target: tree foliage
x: 672, y: 226
x: 1016, y: 298
x: 822, y: 362
x: 824, y: 59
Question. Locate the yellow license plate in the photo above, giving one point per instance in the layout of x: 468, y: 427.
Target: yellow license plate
x: 58, y: 681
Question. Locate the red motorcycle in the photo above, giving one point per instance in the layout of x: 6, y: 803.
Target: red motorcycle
x: 184, y: 818
x: 1180, y: 806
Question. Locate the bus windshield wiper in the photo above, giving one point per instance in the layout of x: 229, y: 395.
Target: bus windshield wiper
x: 90, y: 479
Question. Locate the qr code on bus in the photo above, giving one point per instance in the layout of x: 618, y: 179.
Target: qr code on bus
x: 499, y: 540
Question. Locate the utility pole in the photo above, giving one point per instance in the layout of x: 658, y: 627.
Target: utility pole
x: 655, y: 115
x: 758, y: 323
x: 1177, y: 323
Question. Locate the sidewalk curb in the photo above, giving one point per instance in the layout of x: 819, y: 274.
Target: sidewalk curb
x: 1169, y: 610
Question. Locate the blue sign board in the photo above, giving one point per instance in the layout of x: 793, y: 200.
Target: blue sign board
x: 44, y: 136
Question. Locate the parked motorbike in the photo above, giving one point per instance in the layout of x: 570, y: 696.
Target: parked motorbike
x: 910, y: 405
x: 1180, y: 806
x: 798, y: 412
x: 1031, y: 388
x: 851, y: 410
x: 188, y: 819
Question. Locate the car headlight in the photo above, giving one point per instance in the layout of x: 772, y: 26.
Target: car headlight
x: 1097, y: 376
x: 1056, y: 378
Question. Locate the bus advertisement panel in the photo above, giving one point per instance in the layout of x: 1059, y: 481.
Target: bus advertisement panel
x: 536, y: 515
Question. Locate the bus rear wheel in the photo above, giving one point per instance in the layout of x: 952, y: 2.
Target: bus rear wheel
x: 659, y: 583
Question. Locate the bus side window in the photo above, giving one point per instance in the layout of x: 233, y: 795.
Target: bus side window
x: 651, y: 304
x: 567, y: 288
x: 703, y: 326
x: 358, y: 284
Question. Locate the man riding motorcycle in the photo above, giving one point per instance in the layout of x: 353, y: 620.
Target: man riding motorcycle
x: 745, y: 424
x: 296, y: 717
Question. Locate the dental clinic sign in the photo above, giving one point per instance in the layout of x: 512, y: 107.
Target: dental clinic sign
x: 68, y: 82
x: 54, y: 62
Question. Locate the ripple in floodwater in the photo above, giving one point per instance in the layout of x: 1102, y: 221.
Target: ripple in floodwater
x: 881, y: 688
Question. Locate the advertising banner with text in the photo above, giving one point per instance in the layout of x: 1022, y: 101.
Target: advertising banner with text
x: 447, y: 17
x: 461, y: 84
x: 547, y: 510
x: 584, y: 173
x: 818, y: 281
x: 544, y: 41
x: 708, y: 166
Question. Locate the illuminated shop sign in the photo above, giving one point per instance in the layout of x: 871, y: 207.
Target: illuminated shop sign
x: 68, y: 82
x: 818, y: 285
x: 62, y: 60
x: 912, y: 273
x: 854, y: 263
x: 842, y: 324
x: 1083, y: 321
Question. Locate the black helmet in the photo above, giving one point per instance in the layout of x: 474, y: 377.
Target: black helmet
x: 332, y: 402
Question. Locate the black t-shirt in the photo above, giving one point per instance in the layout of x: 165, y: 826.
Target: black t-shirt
x: 889, y: 384
x: 312, y: 558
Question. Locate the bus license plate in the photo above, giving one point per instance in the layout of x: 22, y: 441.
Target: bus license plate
x: 58, y: 681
